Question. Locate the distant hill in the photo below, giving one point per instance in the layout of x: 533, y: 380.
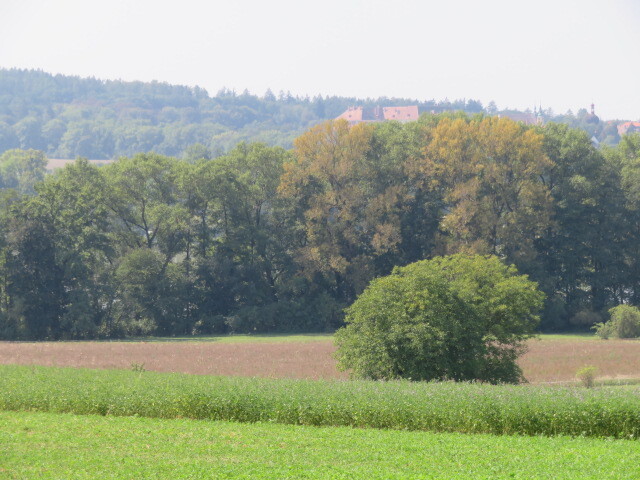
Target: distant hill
x: 67, y: 116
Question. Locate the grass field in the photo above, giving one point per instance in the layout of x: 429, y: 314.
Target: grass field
x: 567, y: 336
x: 551, y: 358
x: 62, y: 446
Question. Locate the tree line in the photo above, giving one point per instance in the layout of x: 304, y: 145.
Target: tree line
x: 264, y: 239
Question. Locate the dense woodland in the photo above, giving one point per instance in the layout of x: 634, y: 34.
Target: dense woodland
x: 67, y: 117
x: 264, y: 239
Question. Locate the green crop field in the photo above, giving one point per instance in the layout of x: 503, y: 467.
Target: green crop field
x: 567, y: 336
x: 446, y: 407
x: 64, y: 446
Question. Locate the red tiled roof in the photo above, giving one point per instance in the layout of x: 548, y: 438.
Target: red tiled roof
x: 355, y: 115
x: 626, y: 126
x: 401, y: 113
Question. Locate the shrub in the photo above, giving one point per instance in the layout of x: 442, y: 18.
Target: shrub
x: 587, y: 375
x: 624, y: 323
x: 138, y: 367
x: 459, y: 317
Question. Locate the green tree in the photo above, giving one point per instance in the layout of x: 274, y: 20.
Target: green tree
x: 29, y: 131
x: 22, y: 169
x: 35, y: 286
x: 8, y: 198
x: 406, y: 202
x: 627, y: 156
x: 196, y: 152
x: 70, y: 220
x: 145, y: 202
x: 241, y: 232
x: 72, y: 200
x: 152, y: 295
x: 8, y: 138
x: 458, y: 317
x: 624, y: 323
x: 580, y: 255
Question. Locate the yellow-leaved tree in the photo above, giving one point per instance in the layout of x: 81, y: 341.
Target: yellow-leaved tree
x: 345, y: 220
x: 492, y: 172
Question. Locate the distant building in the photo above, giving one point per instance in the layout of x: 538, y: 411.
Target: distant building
x: 355, y: 115
x: 628, y: 127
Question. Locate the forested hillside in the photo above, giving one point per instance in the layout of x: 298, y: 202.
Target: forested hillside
x: 264, y: 239
x: 69, y: 117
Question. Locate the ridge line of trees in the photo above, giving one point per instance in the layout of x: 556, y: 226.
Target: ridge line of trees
x: 67, y: 117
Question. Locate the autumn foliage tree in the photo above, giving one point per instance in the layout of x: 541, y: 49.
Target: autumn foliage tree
x: 346, y: 220
x: 491, y: 171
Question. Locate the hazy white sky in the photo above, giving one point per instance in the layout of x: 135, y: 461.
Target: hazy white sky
x: 562, y: 54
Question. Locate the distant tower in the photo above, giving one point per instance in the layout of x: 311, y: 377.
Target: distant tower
x: 592, y: 117
x: 539, y: 117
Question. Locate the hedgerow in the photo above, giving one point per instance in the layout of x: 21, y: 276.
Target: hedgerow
x: 444, y: 407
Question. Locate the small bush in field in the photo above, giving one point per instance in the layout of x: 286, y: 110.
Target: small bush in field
x: 624, y: 323
x: 587, y: 375
x: 138, y: 367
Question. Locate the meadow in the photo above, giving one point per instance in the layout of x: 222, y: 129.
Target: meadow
x: 550, y: 359
x: 62, y: 446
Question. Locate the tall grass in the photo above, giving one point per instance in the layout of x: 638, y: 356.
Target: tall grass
x: 446, y: 407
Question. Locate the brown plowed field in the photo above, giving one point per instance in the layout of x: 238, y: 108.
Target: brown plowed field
x: 265, y: 359
x: 546, y: 361
x: 558, y: 360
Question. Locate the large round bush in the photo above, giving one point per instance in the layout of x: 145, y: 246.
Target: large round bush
x: 461, y: 317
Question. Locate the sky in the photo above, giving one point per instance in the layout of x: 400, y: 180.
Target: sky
x: 561, y: 54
